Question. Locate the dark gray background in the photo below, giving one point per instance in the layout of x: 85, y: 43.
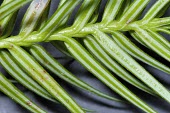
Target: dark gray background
x: 86, y: 99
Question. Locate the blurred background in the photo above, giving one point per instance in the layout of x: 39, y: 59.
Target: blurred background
x: 85, y: 99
